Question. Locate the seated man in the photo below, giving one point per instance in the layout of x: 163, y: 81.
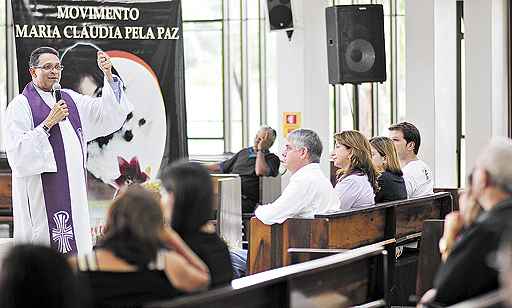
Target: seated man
x: 477, y: 243
x: 251, y: 163
x: 416, y: 173
x: 309, y: 192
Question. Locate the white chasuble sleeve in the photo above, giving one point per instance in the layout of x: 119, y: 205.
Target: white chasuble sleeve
x: 28, y: 149
x: 103, y: 115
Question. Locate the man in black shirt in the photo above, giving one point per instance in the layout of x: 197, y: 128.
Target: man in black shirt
x: 251, y: 163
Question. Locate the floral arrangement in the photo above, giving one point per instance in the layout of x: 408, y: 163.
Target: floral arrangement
x: 131, y: 173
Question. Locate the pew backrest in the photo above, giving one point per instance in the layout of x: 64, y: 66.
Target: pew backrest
x: 5, y: 192
x: 270, y: 189
x: 358, y: 276
x: 429, y: 258
x: 399, y: 220
x: 228, y: 208
x: 404, y: 218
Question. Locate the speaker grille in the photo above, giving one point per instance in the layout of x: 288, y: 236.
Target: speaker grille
x: 280, y: 14
x: 355, y: 43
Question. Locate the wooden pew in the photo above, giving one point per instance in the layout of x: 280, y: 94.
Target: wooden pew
x: 494, y: 299
x: 429, y: 258
x: 6, y: 215
x: 455, y: 195
x: 354, y: 278
x: 227, y: 207
x: 270, y: 190
x: 398, y: 220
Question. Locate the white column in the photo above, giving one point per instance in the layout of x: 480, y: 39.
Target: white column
x: 486, y: 74
x: 431, y: 83
x: 301, y: 72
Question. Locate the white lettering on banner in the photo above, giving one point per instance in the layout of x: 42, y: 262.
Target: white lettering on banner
x: 96, y: 32
x: 37, y: 31
x: 167, y: 33
x: 139, y: 33
x: 92, y: 32
x: 94, y: 12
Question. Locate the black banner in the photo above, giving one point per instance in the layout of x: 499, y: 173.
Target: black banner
x: 144, y: 41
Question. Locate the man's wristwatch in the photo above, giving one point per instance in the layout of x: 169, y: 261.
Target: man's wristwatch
x: 46, y: 129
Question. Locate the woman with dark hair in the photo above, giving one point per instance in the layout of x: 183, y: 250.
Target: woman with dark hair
x: 130, y: 265
x: 357, y: 178
x: 38, y: 276
x: 190, y: 197
x: 391, y: 181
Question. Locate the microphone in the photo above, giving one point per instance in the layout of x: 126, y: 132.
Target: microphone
x: 56, y: 92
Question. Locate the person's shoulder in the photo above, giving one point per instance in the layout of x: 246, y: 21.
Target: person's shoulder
x: 242, y: 152
x: 416, y: 168
x: 349, y: 181
x: 19, y: 102
x: 498, y: 218
x: 205, y: 242
x: 271, y: 155
x: 391, y: 176
x: 419, y: 164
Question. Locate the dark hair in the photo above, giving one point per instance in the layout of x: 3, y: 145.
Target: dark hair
x: 36, y: 53
x: 80, y: 61
x: 192, y: 187
x: 133, y: 227
x: 38, y: 276
x: 411, y: 133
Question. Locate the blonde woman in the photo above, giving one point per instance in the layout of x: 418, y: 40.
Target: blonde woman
x: 357, y: 178
x: 391, y: 181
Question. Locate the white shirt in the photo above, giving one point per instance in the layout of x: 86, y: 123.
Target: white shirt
x: 309, y: 193
x: 355, y: 191
x: 418, y: 179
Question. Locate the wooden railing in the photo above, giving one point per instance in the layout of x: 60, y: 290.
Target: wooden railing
x: 354, y: 278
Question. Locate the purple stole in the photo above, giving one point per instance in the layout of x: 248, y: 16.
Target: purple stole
x: 56, y: 185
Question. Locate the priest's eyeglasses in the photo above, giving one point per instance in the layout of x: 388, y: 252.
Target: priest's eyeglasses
x: 49, y: 67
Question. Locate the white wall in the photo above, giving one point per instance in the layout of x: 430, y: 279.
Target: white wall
x: 301, y: 82
x: 431, y: 83
x: 301, y: 72
x: 486, y: 73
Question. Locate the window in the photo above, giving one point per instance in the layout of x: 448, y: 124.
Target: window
x: 372, y: 107
x: 224, y: 45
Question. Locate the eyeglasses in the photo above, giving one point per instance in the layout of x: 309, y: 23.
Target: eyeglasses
x: 48, y: 67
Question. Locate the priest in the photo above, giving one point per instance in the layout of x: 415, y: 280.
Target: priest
x: 46, y: 135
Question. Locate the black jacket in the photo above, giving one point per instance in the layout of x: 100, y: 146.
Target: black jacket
x: 392, y: 187
x: 470, y: 270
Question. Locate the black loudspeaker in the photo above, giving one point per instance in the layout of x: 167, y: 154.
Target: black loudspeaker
x: 280, y: 14
x: 355, y: 43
